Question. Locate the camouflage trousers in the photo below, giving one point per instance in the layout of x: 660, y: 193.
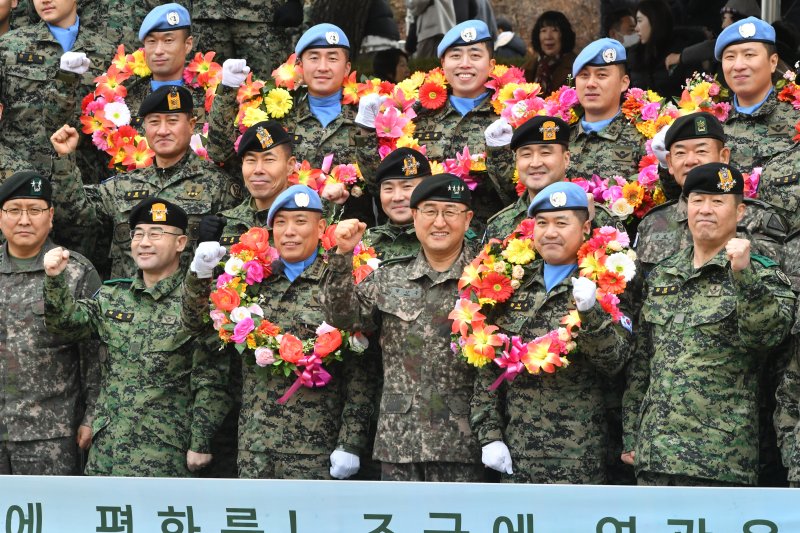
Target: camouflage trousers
x: 546, y: 470
x: 47, y: 457
x: 262, y: 45
x: 437, y: 472
x: 124, y: 454
x: 678, y: 480
x: 272, y: 465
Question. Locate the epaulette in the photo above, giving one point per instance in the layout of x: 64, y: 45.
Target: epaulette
x: 763, y: 260
x: 396, y: 260
x: 117, y: 281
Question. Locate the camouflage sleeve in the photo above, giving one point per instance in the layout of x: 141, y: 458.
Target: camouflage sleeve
x: 65, y: 316
x: 89, y: 349
x: 76, y: 220
x: 606, y: 345
x: 347, y: 305
x: 787, y: 412
x: 764, y: 306
x: 209, y: 384
x: 368, y: 160
x: 194, y: 304
x: 486, y: 418
x: 222, y: 133
x: 361, y: 371
x: 500, y: 168
x: 637, y: 377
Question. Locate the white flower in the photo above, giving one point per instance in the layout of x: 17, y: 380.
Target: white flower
x: 358, y: 342
x: 118, y: 113
x: 324, y: 328
x: 239, y: 314
x: 196, y: 142
x: 500, y: 267
x: 621, y: 264
x: 517, y: 272
x: 233, y: 266
x: 515, y: 284
x: 264, y: 356
x: 632, y: 255
x: 373, y: 262
x: 256, y: 310
x: 621, y: 208
x: 356, y: 191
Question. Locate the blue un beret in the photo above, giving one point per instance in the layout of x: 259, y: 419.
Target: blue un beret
x: 322, y: 36
x: 166, y: 17
x: 560, y: 196
x: 468, y: 32
x: 295, y: 198
x: 747, y: 30
x: 599, y: 53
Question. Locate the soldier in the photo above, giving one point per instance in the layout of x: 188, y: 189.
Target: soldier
x: 604, y: 142
x: 423, y: 425
x: 710, y: 316
x: 198, y: 186
x: 563, y: 439
x: 541, y: 154
x: 160, y: 401
x: 319, y: 432
x: 45, y: 71
x: 759, y: 126
x: 49, y: 381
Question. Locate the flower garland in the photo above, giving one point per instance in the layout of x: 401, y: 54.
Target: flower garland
x: 703, y: 92
x: 238, y: 317
x: 465, y: 165
x: 106, y: 117
x: 348, y: 175
x: 494, y: 275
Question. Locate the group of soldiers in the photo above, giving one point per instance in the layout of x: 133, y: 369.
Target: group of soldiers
x: 698, y: 384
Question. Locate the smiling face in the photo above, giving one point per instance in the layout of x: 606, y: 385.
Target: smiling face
x: 169, y: 134
x: 324, y: 70
x: 558, y: 235
x: 266, y: 174
x: 539, y: 165
x: 161, y: 257
x: 599, y: 90
x: 686, y: 154
x: 297, y: 234
x: 59, y: 13
x: 467, y: 69
x: 440, y: 226
x: 395, y: 196
x: 748, y: 69
x: 713, y: 218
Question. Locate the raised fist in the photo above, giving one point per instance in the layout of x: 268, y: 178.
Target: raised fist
x: 55, y: 261
x: 348, y: 235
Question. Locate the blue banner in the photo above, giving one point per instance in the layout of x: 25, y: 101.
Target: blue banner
x: 110, y: 505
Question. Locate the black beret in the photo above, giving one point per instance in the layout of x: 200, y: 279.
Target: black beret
x: 263, y: 136
x: 158, y: 211
x: 714, y: 178
x: 26, y: 184
x: 167, y: 99
x: 694, y: 126
x: 541, y: 130
x: 403, y: 163
x: 442, y: 187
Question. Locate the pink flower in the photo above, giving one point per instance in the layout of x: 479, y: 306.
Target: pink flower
x: 610, y: 233
x: 218, y: 316
x: 384, y: 150
x: 264, y: 356
x: 612, y: 194
x: 648, y: 176
x: 650, y: 111
x: 242, y: 330
x: 255, y: 309
x: 236, y: 143
x: 223, y: 280
x: 390, y: 123
x: 568, y: 97
x: 99, y: 140
x: 254, y: 272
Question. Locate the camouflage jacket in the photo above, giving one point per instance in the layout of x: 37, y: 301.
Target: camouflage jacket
x: 199, y: 187
x: 240, y: 219
x: 153, y: 379
x: 691, y: 405
x: 314, y: 420
x: 787, y: 412
x: 780, y: 185
x: 117, y: 21
x: 10, y: 163
x: 249, y: 10
x: 754, y: 139
x: 37, y: 96
x: 48, y: 379
x: 424, y: 408
x: 560, y: 415
x: 613, y: 151
x: 391, y: 241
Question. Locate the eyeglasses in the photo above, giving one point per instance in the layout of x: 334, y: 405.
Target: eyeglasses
x: 33, y: 212
x: 155, y: 234
x: 448, y: 214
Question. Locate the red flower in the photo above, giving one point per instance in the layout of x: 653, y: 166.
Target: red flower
x: 327, y: 343
x: 432, y: 95
x: 611, y: 282
x: 329, y: 237
x: 225, y: 299
x: 291, y: 348
x: 361, y: 272
x: 496, y: 287
x: 268, y: 328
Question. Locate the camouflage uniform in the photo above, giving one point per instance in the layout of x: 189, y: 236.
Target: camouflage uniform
x: 780, y: 185
x: 198, y: 187
x: 240, y: 219
x: 691, y: 406
x: 118, y: 22
x: 554, y: 424
x: 39, y: 98
x: 300, y: 435
x: 10, y: 163
x: 159, y: 397
x: 49, y: 381
x: 391, y: 241
x: 754, y: 139
x: 424, y: 413
x: 613, y: 151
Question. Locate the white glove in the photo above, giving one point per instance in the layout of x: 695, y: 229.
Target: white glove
x: 659, y: 148
x: 368, y: 108
x: 234, y: 72
x: 344, y: 464
x: 584, y: 291
x: 498, y: 133
x: 75, y: 62
x: 495, y: 455
x: 206, y: 257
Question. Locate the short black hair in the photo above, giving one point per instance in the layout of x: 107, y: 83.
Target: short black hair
x: 554, y: 19
x: 384, y: 64
x: 613, y: 20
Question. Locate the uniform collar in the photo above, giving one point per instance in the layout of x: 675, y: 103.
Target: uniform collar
x: 608, y: 129
x: 420, y: 267
x: 163, y: 288
x: 7, y: 266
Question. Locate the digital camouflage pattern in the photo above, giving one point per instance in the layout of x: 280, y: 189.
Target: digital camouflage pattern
x: 613, y: 151
x: 159, y: 396
x: 50, y: 381
x: 48, y: 457
x: 424, y: 412
x: 200, y: 188
x: 691, y: 406
x: 433, y: 472
x: 240, y: 219
x: 392, y: 240
x: 10, y: 163
x: 754, y: 139
x: 555, y: 425
x: 314, y: 421
x: 118, y: 22
x: 779, y: 186
x: 39, y: 98
x: 272, y: 465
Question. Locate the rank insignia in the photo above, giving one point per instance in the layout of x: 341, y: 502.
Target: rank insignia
x: 263, y: 137
x: 173, y: 100
x: 158, y: 212
x: 410, y: 165
x: 120, y: 316
x: 665, y: 291
x: 726, y: 180
x: 136, y: 195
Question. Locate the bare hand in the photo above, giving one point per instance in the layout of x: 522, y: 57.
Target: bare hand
x: 55, y: 261
x: 628, y: 458
x: 672, y: 59
x: 84, y: 438
x: 196, y: 461
x: 336, y: 193
x: 590, y: 201
x: 65, y: 140
x: 348, y: 234
x: 738, y: 252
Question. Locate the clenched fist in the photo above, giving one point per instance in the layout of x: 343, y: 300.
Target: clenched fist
x: 348, y: 234
x: 336, y: 193
x: 738, y: 252
x: 65, y: 140
x: 55, y: 261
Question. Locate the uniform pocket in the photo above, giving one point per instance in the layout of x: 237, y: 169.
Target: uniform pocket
x: 395, y: 403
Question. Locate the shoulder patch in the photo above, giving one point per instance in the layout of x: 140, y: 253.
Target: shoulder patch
x: 117, y: 281
x: 763, y: 260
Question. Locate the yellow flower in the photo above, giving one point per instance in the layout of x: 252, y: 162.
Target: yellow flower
x: 654, y: 96
x: 659, y: 197
x: 408, y: 129
x: 519, y: 251
x: 592, y: 265
x: 436, y: 167
x: 437, y: 76
x: 633, y: 193
x: 700, y: 91
x: 648, y: 129
x: 515, y: 178
x: 254, y: 115
x: 408, y: 141
x: 278, y: 102
x: 138, y: 64
x: 499, y: 70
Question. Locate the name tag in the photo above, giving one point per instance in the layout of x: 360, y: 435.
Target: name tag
x: 664, y: 291
x: 119, y: 316
x: 786, y: 180
x: 429, y: 136
x: 136, y: 195
x: 31, y: 59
